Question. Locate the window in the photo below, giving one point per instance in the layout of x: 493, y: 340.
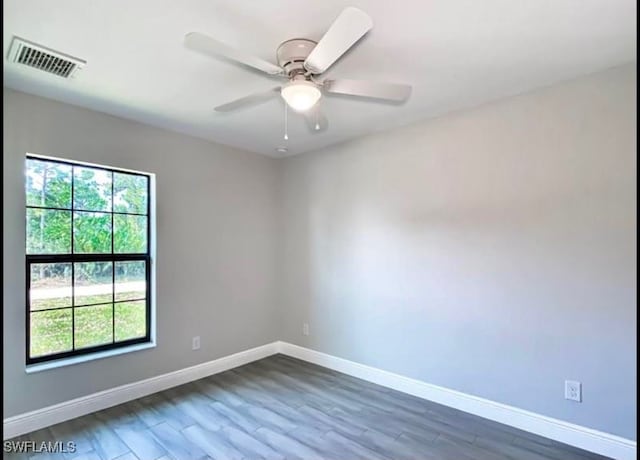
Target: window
x: 88, y: 264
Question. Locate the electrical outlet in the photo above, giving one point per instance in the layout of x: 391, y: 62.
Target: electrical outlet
x: 195, y: 343
x: 305, y: 328
x: 573, y: 390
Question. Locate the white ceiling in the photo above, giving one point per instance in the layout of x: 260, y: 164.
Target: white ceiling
x: 455, y: 53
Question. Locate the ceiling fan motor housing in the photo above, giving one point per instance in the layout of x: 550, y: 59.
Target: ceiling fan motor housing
x: 292, y: 54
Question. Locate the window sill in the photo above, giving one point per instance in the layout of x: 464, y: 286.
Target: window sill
x: 33, y: 368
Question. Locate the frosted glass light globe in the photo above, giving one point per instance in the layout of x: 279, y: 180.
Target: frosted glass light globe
x: 300, y: 95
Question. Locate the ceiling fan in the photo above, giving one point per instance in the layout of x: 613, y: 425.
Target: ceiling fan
x: 301, y: 61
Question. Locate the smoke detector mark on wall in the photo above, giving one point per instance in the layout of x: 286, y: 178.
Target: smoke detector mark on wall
x: 42, y: 58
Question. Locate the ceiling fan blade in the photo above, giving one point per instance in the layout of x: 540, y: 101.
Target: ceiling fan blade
x: 252, y: 99
x: 316, y: 120
x: 363, y: 88
x: 348, y: 28
x: 207, y: 45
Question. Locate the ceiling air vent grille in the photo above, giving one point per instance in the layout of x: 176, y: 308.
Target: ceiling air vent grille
x: 42, y: 58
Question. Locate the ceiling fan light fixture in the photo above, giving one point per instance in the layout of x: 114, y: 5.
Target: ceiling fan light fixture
x: 301, y: 95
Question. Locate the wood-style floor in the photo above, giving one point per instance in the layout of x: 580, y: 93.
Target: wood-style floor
x: 283, y: 408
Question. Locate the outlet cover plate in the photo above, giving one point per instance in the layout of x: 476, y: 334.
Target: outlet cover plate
x: 573, y: 390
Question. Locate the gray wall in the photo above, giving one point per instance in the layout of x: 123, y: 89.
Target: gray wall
x: 491, y: 251
x: 217, y: 217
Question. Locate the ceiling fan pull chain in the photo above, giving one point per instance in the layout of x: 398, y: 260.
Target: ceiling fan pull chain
x: 286, y: 124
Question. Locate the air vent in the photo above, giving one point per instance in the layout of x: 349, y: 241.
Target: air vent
x: 42, y: 58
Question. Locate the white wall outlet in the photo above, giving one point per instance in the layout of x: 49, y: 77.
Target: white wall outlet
x: 573, y: 390
x: 195, y: 343
x: 305, y: 328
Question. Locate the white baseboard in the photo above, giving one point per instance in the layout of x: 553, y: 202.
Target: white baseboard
x: 568, y: 433
x: 41, y: 418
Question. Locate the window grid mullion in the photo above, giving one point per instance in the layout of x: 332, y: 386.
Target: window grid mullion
x: 73, y: 265
x: 90, y: 305
x: 53, y: 208
x: 60, y: 258
x: 113, y: 266
x: 71, y: 207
